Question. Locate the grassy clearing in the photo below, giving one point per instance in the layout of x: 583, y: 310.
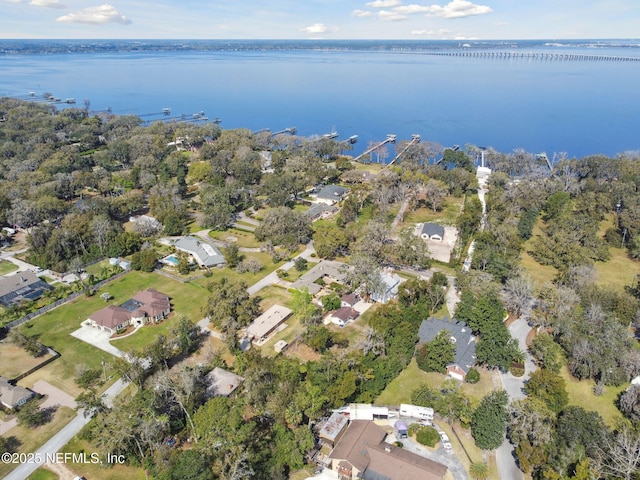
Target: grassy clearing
x: 619, y: 272
x: 43, y: 474
x: 15, y: 360
x: 462, y: 442
x: 30, y: 439
x: 89, y: 470
x: 273, y: 295
x: 249, y: 278
x: 54, y: 327
x: 581, y: 394
x: 399, y: 390
x: 241, y: 238
x: 452, y: 207
x: 7, y: 267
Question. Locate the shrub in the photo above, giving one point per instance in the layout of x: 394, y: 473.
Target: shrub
x: 428, y: 436
x: 473, y: 376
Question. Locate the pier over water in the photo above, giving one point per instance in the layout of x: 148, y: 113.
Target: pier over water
x: 536, y: 56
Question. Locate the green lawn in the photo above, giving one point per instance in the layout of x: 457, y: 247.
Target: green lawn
x: 30, y: 439
x: 452, y: 207
x: 241, y: 238
x: 43, y: 474
x: 399, y: 390
x: 6, y: 267
x: 97, y: 471
x: 54, y: 328
x: 618, y: 272
x: 581, y: 394
x: 249, y: 278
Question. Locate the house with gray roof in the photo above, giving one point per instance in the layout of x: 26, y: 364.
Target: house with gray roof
x: 330, y: 271
x: 203, y: 253
x: 13, y: 396
x: 460, y: 335
x: 21, y: 286
x: 330, y: 194
x: 320, y: 210
x: 432, y: 231
x: 221, y: 383
x: 389, y: 287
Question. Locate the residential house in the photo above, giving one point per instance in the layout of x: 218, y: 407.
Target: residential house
x: 13, y: 396
x: 432, y: 231
x: 204, y: 254
x: 21, y: 286
x: 221, y: 383
x: 266, y: 323
x: 330, y: 194
x: 389, y: 291
x: 146, y: 306
x: 361, y: 453
x: 342, y: 316
x: 320, y: 210
x: 329, y: 270
x: 349, y: 300
x: 461, y: 336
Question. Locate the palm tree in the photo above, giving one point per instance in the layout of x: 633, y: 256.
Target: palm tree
x: 479, y: 471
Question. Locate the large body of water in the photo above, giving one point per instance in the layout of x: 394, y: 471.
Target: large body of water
x: 571, y: 97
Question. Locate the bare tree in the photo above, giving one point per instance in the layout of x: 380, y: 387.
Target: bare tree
x: 619, y: 453
x: 434, y: 192
x: 518, y: 295
x: 372, y: 342
x: 183, y: 387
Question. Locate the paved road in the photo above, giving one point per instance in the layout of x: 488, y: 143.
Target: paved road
x: 60, y: 439
x: 272, y: 278
x: 505, y: 455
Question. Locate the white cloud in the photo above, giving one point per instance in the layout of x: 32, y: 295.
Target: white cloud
x: 383, y: 3
x: 441, y: 31
x: 390, y: 16
x: 96, y: 15
x: 413, y: 8
x: 458, y: 9
x: 47, y: 3
x: 318, y: 28
x: 361, y: 13
x: 13, y: 1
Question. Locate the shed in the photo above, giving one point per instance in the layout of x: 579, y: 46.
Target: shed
x: 333, y: 429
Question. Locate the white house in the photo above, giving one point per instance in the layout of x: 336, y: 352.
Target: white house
x: 390, y: 283
x: 330, y: 194
x: 204, y: 254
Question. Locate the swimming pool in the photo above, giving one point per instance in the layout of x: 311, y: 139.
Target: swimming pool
x: 171, y: 259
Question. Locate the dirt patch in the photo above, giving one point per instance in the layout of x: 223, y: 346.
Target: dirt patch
x: 61, y: 470
x: 510, y: 319
x: 530, y: 336
x: 302, y: 352
x: 16, y: 361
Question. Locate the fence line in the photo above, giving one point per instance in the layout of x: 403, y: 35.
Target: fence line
x: 62, y: 301
x: 39, y: 366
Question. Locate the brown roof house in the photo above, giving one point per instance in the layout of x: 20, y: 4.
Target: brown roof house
x: 343, y: 315
x: 146, y: 306
x: 361, y: 453
x: 13, y: 396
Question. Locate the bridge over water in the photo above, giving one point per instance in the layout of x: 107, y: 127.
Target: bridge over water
x: 556, y: 56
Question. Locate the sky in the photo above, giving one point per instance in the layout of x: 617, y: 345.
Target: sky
x: 317, y: 19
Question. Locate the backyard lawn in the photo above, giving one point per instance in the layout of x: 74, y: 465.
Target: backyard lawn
x: 89, y: 470
x: 452, y: 206
x: 399, y: 390
x: 241, y: 238
x: 581, y: 394
x: 54, y: 328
